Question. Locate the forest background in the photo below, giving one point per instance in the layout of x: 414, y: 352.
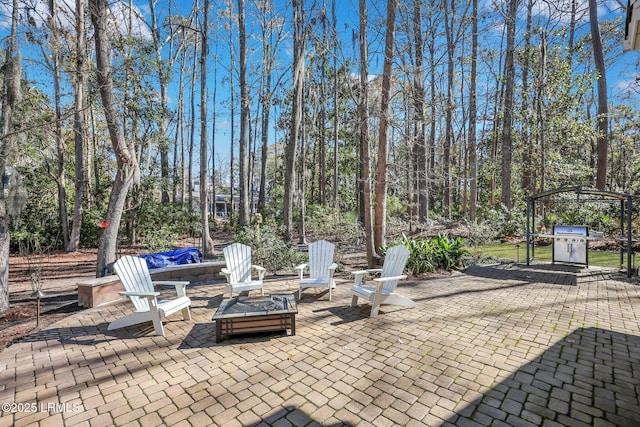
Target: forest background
x: 128, y: 123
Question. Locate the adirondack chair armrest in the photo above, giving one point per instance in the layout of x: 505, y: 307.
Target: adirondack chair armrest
x: 332, y: 269
x: 261, y: 270
x: 171, y: 282
x: 358, y: 275
x: 388, y: 279
x: 301, y: 269
x: 180, y: 285
x: 140, y: 294
x: 367, y: 271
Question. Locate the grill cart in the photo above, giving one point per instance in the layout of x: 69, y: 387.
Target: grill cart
x: 570, y: 244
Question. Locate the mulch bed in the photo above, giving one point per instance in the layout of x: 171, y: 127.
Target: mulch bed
x: 56, y: 276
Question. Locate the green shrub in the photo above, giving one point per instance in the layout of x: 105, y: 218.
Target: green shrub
x: 506, y: 223
x: 335, y: 226
x: 438, y: 253
x: 268, y: 249
x: 159, y: 239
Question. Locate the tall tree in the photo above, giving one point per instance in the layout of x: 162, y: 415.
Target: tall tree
x: 383, y: 137
x: 207, y: 242
x: 272, y: 33
x: 79, y: 126
x: 232, y: 107
x: 418, y: 98
x: 244, y: 117
x: 336, y: 113
x: 527, y: 152
x: 449, y: 22
x: 507, y: 122
x: 165, y: 60
x: 363, y: 115
x: 433, y: 116
x: 473, y: 166
x: 603, y: 109
x: 60, y: 176
x: 322, y: 131
x: 296, y: 116
x: 192, y: 113
x: 179, y: 158
x: 11, y: 93
x: 127, y: 166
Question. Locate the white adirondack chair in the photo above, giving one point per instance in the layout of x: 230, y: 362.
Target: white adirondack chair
x: 239, y: 270
x: 135, y: 277
x: 321, y: 268
x: 384, y: 290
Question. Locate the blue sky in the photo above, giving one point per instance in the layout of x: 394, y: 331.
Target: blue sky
x: 621, y: 75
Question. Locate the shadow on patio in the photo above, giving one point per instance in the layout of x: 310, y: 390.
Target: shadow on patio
x: 590, y: 376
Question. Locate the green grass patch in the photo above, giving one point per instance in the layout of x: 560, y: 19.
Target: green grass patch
x: 517, y: 252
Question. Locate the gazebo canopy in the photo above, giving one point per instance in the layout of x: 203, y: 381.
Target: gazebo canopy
x: 579, y: 190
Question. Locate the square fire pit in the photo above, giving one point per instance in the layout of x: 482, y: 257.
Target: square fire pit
x: 242, y: 315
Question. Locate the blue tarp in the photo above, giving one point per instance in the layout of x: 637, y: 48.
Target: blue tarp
x: 175, y: 257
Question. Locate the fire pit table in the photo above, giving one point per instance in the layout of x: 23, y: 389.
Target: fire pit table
x: 242, y: 315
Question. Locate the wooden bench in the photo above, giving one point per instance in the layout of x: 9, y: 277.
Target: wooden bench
x: 102, y: 290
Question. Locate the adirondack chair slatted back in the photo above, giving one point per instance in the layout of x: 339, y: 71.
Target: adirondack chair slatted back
x: 238, y: 259
x: 394, y: 262
x: 135, y: 277
x: 320, y: 258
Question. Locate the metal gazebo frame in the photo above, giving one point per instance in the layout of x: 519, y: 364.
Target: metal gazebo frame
x: 626, y: 210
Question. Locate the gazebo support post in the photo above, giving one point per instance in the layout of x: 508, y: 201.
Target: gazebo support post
x: 629, y: 239
x: 528, y: 227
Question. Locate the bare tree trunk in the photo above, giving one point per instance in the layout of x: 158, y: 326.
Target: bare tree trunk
x: 572, y: 33
x: 507, y: 123
x: 336, y: 121
x: 214, y: 114
x: 264, y: 140
x: 448, y: 137
x: 363, y: 113
x: 232, y: 113
x: 420, y: 144
x: 431, y: 149
x: 473, y: 166
x: 296, y: 117
x: 79, y: 125
x: 498, y: 95
x: 207, y: 243
x: 192, y: 133
x: 60, y: 176
x: 302, y: 226
x: 527, y: 152
x: 163, y: 65
x: 244, y: 119
x: 383, y: 141
x: 179, y: 160
x: 603, y: 110
x: 125, y: 159
x: 322, y: 121
x: 542, y: 84
x: 269, y: 48
x: 11, y: 93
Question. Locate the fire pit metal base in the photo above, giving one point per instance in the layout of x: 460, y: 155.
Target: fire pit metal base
x: 242, y: 315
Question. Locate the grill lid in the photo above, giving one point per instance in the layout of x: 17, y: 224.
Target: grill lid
x: 571, y: 230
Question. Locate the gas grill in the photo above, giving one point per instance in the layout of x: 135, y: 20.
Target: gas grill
x: 570, y: 244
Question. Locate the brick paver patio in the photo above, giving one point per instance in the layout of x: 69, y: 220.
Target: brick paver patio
x: 496, y: 345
